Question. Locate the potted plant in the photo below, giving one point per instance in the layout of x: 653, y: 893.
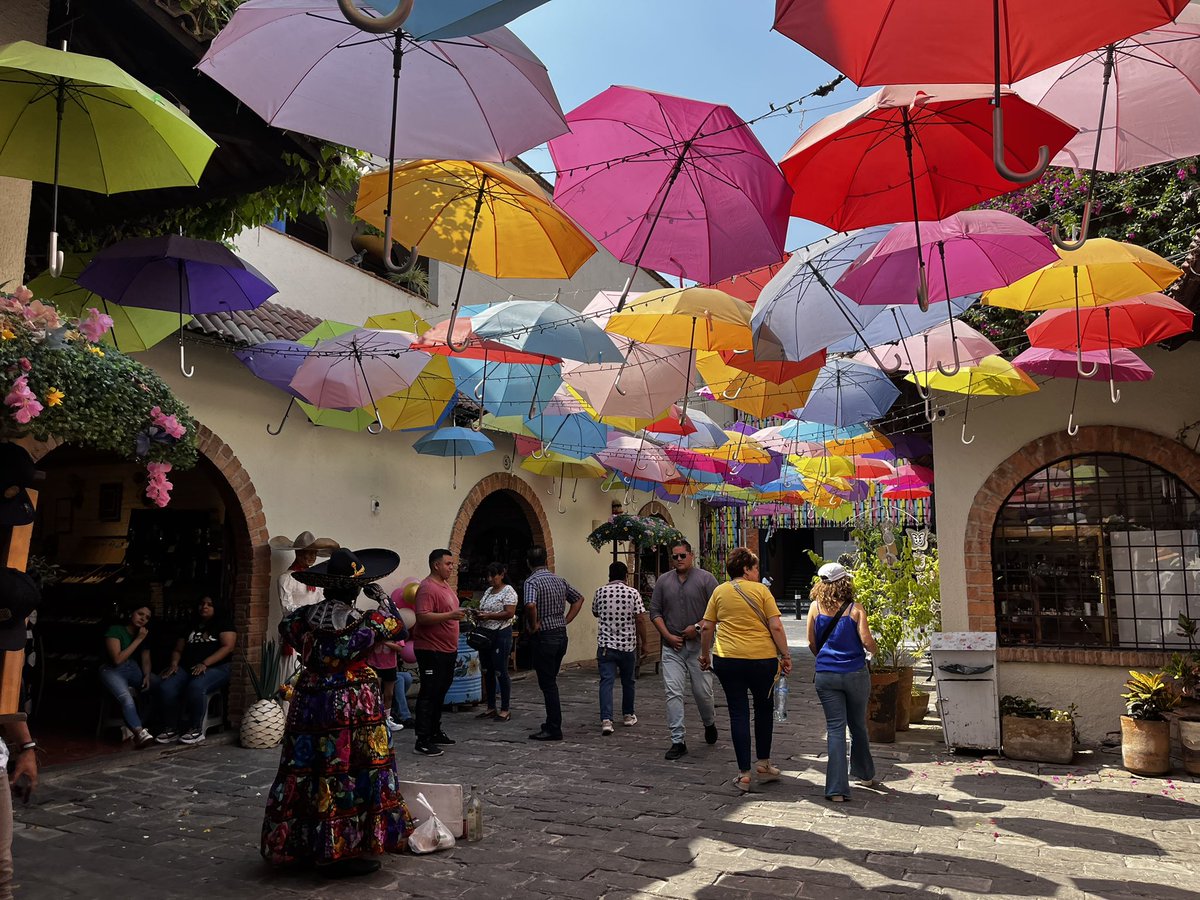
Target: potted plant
x: 1184, y: 671
x: 262, y: 726
x: 1038, y: 733
x: 1145, y: 734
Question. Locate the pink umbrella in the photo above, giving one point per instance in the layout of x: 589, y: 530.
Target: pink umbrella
x: 351, y: 370
x: 638, y: 458
x: 1115, y: 364
x: 908, y: 474
x: 976, y: 251
x: 727, y: 213
x: 924, y: 352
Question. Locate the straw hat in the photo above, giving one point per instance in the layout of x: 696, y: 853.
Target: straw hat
x: 305, y: 540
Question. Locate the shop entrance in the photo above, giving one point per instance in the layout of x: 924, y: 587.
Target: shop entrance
x: 499, y: 531
x: 107, y: 550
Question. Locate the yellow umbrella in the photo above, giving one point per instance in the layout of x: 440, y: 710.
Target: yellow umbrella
x: 993, y: 376
x: 699, y: 318
x: 823, y: 466
x: 404, y: 320
x: 753, y: 394
x: 555, y: 465
x: 851, y: 442
x: 622, y: 423
x: 739, y: 448
x: 422, y: 403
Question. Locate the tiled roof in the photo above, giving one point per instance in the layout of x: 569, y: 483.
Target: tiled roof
x: 269, y: 322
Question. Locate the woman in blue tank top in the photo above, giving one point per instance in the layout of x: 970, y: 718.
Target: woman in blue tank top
x: 843, y: 682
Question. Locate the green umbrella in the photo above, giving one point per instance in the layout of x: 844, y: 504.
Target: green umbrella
x: 325, y: 331
x: 84, y: 122
x: 346, y: 420
x: 133, y: 330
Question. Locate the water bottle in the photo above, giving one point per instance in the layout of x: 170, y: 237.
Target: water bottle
x: 781, y: 698
x: 474, y: 816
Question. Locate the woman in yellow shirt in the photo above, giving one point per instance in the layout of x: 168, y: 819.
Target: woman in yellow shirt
x: 750, y: 648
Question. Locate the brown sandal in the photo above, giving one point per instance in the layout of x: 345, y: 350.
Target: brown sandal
x: 743, y: 783
x: 490, y: 714
x: 503, y: 716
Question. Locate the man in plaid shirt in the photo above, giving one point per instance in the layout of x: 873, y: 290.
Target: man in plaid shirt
x: 551, y: 604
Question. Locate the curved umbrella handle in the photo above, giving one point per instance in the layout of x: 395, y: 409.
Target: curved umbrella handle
x: 286, y: 412
x: 456, y: 348
x: 57, y: 259
x: 930, y: 415
x: 188, y: 371
x: 617, y: 383
x: 376, y: 24
x: 377, y: 426
x: 728, y: 396
x: 1114, y: 393
x: 387, y: 251
x: 922, y: 287
x: 1084, y: 373
x: 883, y: 366
x: 1072, y: 428
x: 957, y: 364
x: 963, y: 436
x: 574, y: 488
x: 1063, y: 244
x: 998, y: 153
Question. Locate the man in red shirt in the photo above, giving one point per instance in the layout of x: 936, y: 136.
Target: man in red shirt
x: 435, y: 642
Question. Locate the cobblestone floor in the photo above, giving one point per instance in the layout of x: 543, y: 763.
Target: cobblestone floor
x: 607, y: 817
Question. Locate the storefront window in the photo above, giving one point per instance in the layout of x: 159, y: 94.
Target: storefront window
x: 1098, y: 551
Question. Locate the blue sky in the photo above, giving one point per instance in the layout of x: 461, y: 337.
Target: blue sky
x: 695, y: 48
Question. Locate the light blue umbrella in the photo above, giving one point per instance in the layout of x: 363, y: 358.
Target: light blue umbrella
x: 454, y: 442
x: 576, y: 435
x: 789, y: 480
x: 439, y: 20
x: 506, y: 389
x: 899, y: 322
x: 847, y: 393
x: 548, y: 328
x: 799, y: 312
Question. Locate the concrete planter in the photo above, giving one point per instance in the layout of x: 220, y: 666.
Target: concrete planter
x: 1146, y: 746
x: 1039, y: 740
x: 1189, y: 742
x: 918, y: 706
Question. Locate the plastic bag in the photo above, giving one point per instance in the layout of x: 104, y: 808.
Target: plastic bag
x: 430, y: 835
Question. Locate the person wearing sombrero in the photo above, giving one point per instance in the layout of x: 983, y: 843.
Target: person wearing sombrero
x: 293, y: 594
x: 335, y: 802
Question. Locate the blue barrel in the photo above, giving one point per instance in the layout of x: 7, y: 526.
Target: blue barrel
x: 467, y: 686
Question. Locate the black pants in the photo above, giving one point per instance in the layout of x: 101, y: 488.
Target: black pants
x: 756, y: 677
x: 549, y: 648
x: 437, y: 672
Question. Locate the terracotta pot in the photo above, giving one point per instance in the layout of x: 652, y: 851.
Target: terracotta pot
x: 1039, y: 740
x: 918, y: 706
x: 1189, y: 741
x: 1145, y: 746
x: 881, y: 707
x: 903, y: 690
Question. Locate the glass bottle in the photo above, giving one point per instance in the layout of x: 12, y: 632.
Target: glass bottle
x: 474, y: 816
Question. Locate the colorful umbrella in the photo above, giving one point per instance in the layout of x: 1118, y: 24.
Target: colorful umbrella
x: 638, y: 458
x: 993, y: 376
x: 343, y: 420
x: 1136, y: 322
x: 554, y: 465
x: 753, y: 394
x: 896, y: 323
x: 326, y: 330
x: 548, y: 328
x: 423, y: 404
x: 1114, y: 364
x: 849, y: 168
x: 726, y: 214
x: 748, y: 285
x: 846, y: 393
x: 925, y: 351
x: 506, y: 389
x: 402, y: 320
x: 708, y: 433
x: 799, y: 313
x: 454, y: 442
x: 442, y: 20
x: 83, y: 122
x: 577, y: 435
x: 275, y: 362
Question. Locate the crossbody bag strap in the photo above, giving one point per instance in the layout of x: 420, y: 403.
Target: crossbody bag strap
x: 754, y: 606
x: 820, y: 642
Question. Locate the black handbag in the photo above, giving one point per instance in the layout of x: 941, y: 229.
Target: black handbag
x: 480, y: 639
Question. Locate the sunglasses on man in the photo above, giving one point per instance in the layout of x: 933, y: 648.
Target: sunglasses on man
x: 679, y: 556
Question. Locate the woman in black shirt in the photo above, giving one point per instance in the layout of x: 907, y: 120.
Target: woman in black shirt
x: 199, y: 666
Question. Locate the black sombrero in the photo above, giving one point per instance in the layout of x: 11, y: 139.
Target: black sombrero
x: 350, y: 568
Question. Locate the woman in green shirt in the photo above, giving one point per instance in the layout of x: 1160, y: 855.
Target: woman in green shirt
x: 128, y: 669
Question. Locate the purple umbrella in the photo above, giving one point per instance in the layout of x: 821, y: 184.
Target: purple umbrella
x: 276, y: 362
x: 728, y: 212
x: 175, y: 273
x: 976, y: 251
x: 1114, y: 364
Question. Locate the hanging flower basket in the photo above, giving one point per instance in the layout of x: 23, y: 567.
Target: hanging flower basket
x: 646, y: 532
x: 57, y: 382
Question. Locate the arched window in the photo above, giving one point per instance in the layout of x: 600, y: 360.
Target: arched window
x: 1097, y: 550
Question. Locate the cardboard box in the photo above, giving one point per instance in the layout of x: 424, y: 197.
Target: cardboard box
x: 446, y: 800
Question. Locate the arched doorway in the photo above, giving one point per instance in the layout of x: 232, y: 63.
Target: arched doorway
x: 500, y: 519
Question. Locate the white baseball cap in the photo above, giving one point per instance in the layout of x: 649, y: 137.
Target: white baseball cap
x: 831, y: 572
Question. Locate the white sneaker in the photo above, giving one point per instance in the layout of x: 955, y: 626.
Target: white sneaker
x: 630, y: 720
x: 143, y: 738
x: 192, y: 737
x: 393, y: 725
x: 126, y: 734
x: 606, y: 727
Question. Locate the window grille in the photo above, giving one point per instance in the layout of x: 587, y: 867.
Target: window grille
x: 1097, y: 550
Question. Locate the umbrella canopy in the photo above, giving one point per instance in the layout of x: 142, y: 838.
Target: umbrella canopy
x: 699, y: 318
x: 753, y: 394
x: 343, y: 420
x: 908, y: 474
x: 937, y: 346
x: 477, y: 215
x: 556, y: 465
x: 454, y: 441
x: 799, y: 313
x: 748, y: 285
x: 577, y: 435
x: 708, y: 433
x: 506, y: 389
x: 462, y: 342
x: 739, y: 448
x: 846, y: 393
x: 326, y: 330
x: 776, y: 371
x: 358, y: 368
x: 275, y: 362
x: 695, y: 193
x: 547, y: 328
x: 993, y: 376
x: 896, y: 323
x: 483, y: 97
x: 401, y: 320
x: 1125, y: 365
x: 638, y: 458
x: 424, y: 402
x: 1135, y: 322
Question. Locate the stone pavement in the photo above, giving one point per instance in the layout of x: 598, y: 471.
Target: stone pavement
x: 607, y: 817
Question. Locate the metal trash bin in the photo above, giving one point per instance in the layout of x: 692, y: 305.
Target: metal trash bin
x: 964, y: 667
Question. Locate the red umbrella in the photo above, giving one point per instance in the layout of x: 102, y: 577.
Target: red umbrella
x: 849, y: 169
x: 1127, y: 323
x: 749, y: 285
x: 467, y: 344
x: 945, y: 41
x: 774, y: 371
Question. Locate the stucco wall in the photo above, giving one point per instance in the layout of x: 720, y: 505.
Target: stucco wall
x: 1095, y: 690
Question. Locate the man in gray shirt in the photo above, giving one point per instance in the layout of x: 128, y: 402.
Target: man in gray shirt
x: 676, y: 609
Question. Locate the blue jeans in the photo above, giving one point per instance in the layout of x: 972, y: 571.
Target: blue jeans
x: 189, y: 715
x: 401, y: 712
x: 681, y: 668
x: 844, y: 697
x: 610, y: 662
x: 121, y: 681
x: 495, y: 667
x: 549, y: 648
x: 756, y: 676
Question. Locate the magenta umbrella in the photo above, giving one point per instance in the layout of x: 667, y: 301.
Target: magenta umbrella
x: 692, y: 192
x: 976, y: 251
x: 1115, y: 364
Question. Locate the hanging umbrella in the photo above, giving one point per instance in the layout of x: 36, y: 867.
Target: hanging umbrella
x: 748, y: 285
x: 326, y: 330
x: 576, y: 435
x: 1114, y: 364
x: 946, y: 42
x: 925, y: 351
x: 739, y: 449
x: 993, y: 376
x: 849, y: 168
x: 454, y: 442
x: 708, y: 432
x: 909, y: 492
x: 402, y: 320
x: 422, y: 404
x: 359, y: 368
x: 799, y: 313
x: 176, y: 274
x: 504, y: 388
x: 692, y: 193
x: 908, y: 474
x: 753, y: 394
x: 974, y: 251
x: 83, y: 122
x: 474, y: 215
x: 275, y: 362
x: 344, y: 420
x: 555, y: 465
x: 442, y: 20
x: 846, y: 393
x: 638, y: 458
x: 823, y: 466
x: 464, y: 343
x: 548, y: 328
x: 898, y: 322
x: 1155, y: 79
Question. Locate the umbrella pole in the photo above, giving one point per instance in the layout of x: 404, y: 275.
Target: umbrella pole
x: 922, y: 282
x: 941, y: 245
x: 1072, y: 428
x: 57, y: 258
x: 458, y: 348
x: 377, y: 426
x: 187, y: 371
x: 1079, y: 334
x: 1109, y: 63
x: 1113, y: 393
x: 113, y: 331
x: 286, y: 413
x: 691, y: 362
x: 998, y: 119
x: 966, y: 412
x: 533, y: 400
x: 890, y: 370
x: 397, y: 63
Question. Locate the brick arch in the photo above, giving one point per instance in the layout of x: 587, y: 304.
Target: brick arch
x: 525, y: 497
x: 1156, y: 449
x: 654, y: 508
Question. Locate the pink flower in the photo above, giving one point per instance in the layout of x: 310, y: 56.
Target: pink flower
x: 95, y: 325
x: 158, y: 488
x: 23, y: 294
x: 41, y: 316
x: 24, y: 402
x: 25, y: 364
x: 169, y: 424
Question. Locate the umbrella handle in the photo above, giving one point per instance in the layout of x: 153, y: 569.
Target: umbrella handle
x: 998, y: 153
x: 883, y: 366
x: 957, y: 364
x: 728, y: 396
x: 930, y: 415
x: 57, y: 259
x: 1061, y: 243
x: 286, y: 412
x: 413, y: 254
x: 1072, y: 428
x: 377, y: 426
x: 1114, y: 392
x: 617, y: 382
x: 376, y: 24
x: 188, y: 371
x: 1084, y: 373
x: 963, y: 436
x: 922, y: 287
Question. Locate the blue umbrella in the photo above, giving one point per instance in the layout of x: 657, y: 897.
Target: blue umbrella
x: 439, y: 20
x: 899, y: 322
x: 275, y: 362
x: 799, y: 312
x: 506, y: 389
x: 548, y: 328
x: 708, y: 433
x: 454, y: 442
x: 846, y: 393
x: 577, y: 435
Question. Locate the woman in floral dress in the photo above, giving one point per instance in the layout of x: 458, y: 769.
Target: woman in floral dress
x: 335, y: 801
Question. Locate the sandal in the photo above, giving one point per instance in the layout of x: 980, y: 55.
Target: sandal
x: 503, y: 716
x: 767, y: 773
x: 836, y: 798
x: 742, y: 783
x: 490, y: 714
